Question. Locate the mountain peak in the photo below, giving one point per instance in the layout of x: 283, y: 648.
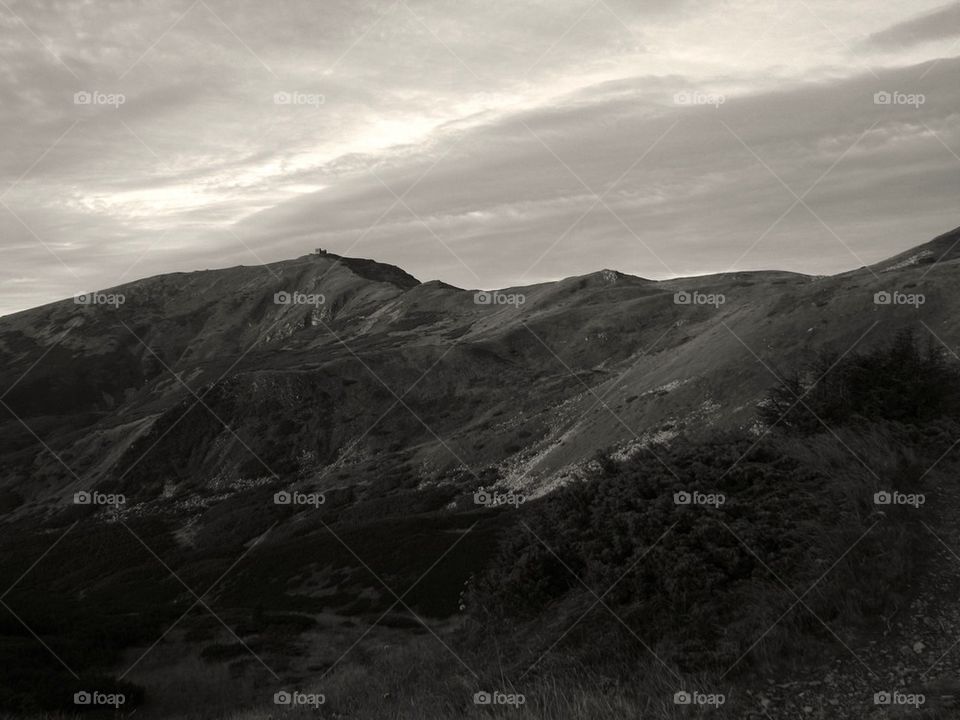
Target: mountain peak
x: 365, y: 268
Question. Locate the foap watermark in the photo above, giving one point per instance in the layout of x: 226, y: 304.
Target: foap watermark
x: 899, y: 298
x: 489, y: 498
x: 698, y: 298
x: 298, y: 298
x: 94, y: 497
x: 95, y: 697
x: 886, y: 697
x: 295, y: 97
x: 100, y: 298
x: 683, y: 697
x: 899, y: 98
x: 498, y: 698
x: 696, y: 97
x: 287, y: 497
x: 296, y: 698
x: 85, y: 97
x: 887, y: 497
x: 696, y: 497
x: 495, y: 297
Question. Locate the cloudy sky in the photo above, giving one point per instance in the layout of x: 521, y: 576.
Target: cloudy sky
x: 482, y: 142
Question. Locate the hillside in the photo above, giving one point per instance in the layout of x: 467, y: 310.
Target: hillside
x: 379, y: 406
x: 596, y: 361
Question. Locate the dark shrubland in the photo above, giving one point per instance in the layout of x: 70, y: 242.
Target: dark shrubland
x: 701, y: 584
x: 902, y: 382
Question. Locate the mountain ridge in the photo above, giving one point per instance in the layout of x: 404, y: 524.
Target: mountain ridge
x: 602, y: 359
x: 377, y: 271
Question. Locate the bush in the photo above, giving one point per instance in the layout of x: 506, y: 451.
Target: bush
x: 698, y: 583
x: 900, y: 382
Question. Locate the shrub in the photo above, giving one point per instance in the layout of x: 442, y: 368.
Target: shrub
x: 699, y: 583
x: 900, y: 382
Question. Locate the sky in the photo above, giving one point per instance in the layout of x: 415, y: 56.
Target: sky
x: 481, y: 142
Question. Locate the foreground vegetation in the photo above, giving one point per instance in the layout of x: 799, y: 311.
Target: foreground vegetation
x: 698, y: 563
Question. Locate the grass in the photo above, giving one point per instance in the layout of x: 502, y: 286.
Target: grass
x: 424, y: 681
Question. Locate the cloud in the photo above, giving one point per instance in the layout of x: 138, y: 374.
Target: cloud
x: 942, y: 23
x: 491, y: 202
x: 502, y: 119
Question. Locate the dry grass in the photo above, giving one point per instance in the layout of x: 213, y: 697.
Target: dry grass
x: 423, y: 681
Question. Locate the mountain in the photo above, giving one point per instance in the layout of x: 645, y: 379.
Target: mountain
x: 202, y: 378
x: 245, y: 470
